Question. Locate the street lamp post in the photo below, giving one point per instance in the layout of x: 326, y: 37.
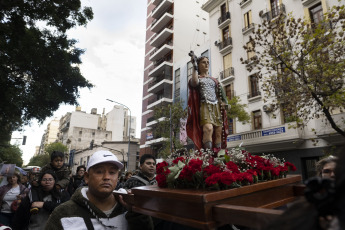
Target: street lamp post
x: 129, y: 130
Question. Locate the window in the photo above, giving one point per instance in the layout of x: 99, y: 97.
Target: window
x: 79, y: 139
x: 226, y: 33
x: 223, y: 10
x: 274, y: 8
x: 80, y: 133
x: 93, y: 133
x: 177, y: 79
x: 257, y: 119
x: 205, y: 54
x: 254, y: 85
x: 248, y: 19
x: 250, y: 54
x: 229, y: 91
x: 231, y: 126
x: 81, y: 161
x: 316, y: 14
x: 106, y: 135
x: 88, y: 158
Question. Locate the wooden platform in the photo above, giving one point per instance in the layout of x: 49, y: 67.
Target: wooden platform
x: 249, y: 206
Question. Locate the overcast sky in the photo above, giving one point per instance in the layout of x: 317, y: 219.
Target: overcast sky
x: 114, y: 43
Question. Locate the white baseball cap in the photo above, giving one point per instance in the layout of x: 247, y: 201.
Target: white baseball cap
x: 103, y: 156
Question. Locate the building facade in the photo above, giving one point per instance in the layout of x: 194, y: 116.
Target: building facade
x: 50, y: 135
x: 231, y: 24
x: 173, y: 28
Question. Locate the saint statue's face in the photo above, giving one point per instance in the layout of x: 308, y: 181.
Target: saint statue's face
x: 203, y: 66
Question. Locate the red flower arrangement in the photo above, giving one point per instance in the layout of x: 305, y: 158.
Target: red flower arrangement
x: 220, y: 170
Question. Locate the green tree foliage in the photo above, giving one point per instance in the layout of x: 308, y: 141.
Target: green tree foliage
x: 237, y: 110
x: 38, y: 62
x: 11, y: 154
x: 163, y: 126
x: 55, y: 146
x: 43, y: 159
x: 301, y: 65
x: 40, y: 160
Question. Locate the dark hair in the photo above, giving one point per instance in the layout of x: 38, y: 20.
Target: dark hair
x: 17, y: 175
x: 199, y: 60
x: 51, y: 172
x: 81, y: 167
x: 127, y: 173
x: 145, y: 157
x: 56, y: 154
x: 321, y: 163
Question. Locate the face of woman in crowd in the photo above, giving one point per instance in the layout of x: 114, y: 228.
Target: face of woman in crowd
x: 12, y: 180
x: 47, y: 182
x: 328, y: 170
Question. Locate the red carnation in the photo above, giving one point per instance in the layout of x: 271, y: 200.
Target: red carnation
x: 227, y: 178
x: 233, y: 167
x: 290, y: 166
x: 178, y: 159
x: 195, y: 164
x: 213, y: 179
x: 211, y: 169
x: 161, y: 180
x: 160, y: 167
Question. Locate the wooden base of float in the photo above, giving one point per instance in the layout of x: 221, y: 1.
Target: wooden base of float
x: 250, y: 206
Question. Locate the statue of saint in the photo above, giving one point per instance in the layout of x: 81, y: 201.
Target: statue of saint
x: 207, y: 122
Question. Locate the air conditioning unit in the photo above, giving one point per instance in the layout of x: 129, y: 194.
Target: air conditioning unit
x: 267, y: 108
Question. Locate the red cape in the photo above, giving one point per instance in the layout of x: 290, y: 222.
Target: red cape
x: 194, y: 130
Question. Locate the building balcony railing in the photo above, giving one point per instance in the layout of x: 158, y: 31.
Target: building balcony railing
x: 161, y: 8
x: 225, y: 45
x: 159, y: 101
x: 224, y: 20
x: 162, y: 36
x: 159, y: 79
x: 276, y: 138
x: 244, y: 3
x: 160, y: 66
x: 254, y: 94
x: 227, y: 73
x: 161, y: 21
x: 275, y: 12
x: 160, y: 84
x: 248, y: 28
x: 156, y: 2
x: 161, y: 51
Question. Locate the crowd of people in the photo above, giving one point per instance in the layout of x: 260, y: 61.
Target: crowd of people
x: 54, y: 199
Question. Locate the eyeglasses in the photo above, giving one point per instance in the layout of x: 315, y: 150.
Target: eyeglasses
x: 327, y: 171
x: 48, y: 179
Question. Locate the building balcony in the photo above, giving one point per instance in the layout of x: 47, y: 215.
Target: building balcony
x: 308, y: 2
x: 156, y: 2
x: 159, y: 83
x: 161, y: 36
x: 160, y: 67
x: 253, y: 96
x: 277, y: 138
x: 161, y: 8
x: 159, y: 24
x: 225, y: 46
x: 244, y: 3
x: 161, y: 51
x: 224, y: 20
x: 156, y: 141
x: 153, y: 121
x: 270, y: 15
x: 248, y: 29
x: 159, y: 102
x: 227, y: 75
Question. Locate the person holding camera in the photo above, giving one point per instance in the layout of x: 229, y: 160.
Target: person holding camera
x: 35, y: 209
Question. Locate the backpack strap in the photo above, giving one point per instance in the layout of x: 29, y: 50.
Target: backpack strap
x: 141, y: 179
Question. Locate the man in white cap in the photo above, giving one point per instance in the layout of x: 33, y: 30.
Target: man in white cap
x: 95, y: 206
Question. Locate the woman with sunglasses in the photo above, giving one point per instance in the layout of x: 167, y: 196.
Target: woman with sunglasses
x: 40, y: 203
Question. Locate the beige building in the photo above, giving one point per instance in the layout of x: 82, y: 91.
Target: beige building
x: 231, y: 24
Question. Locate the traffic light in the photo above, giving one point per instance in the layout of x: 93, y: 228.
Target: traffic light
x: 24, y: 140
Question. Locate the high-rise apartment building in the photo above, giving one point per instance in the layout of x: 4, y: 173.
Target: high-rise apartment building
x: 231, y: 24
x: 173, y: 28
x: 50, y: 134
